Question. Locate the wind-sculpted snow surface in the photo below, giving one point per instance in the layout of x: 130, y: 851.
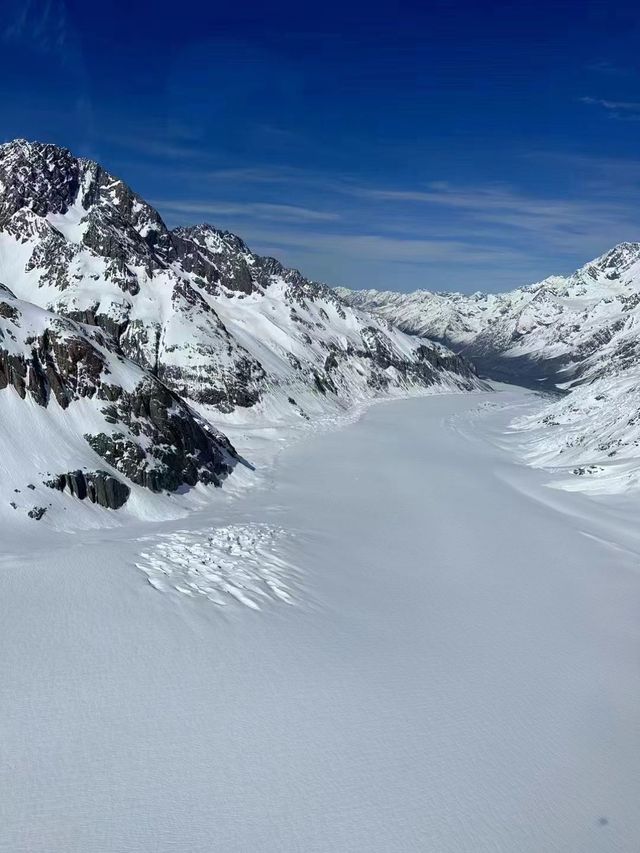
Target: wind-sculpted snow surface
x: 579, y: 334
x: 456, y: 673
x: 237, y: 564
x: 217, y: 334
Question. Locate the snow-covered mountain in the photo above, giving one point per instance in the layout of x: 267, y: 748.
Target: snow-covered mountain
x: 81, y: 419
x: 549, y: 332
x: 579, y: 334
x: 144, y: 338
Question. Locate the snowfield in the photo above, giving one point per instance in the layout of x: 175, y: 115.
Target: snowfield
x: 404, y: 642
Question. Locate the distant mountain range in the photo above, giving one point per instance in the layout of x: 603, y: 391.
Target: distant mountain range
x: 578, y: 334
x: 124, y: 345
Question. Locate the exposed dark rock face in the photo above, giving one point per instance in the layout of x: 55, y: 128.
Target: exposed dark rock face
x: 150, y: 434
x: 139, y: 328
x: 63, y: 361
x: 99, y: 487
x: 86, y: 226
x: 237, y: 268
x: 127, y: 243
x: 182, y: 449
x: 37, y: 512
x: 29, y: 182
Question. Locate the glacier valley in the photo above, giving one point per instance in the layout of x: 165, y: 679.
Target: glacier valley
x: 403, y: 641
x: 282, y: 570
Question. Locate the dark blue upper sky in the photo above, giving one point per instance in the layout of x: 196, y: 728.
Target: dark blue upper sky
x: 443, y: 145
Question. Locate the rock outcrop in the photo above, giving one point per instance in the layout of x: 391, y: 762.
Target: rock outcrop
x: 99, y: 487
x: 215, y: 322
x: 126, y: 341
x: 147, y: 432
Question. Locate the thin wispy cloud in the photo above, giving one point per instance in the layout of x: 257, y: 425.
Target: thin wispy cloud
x: 289, y: 177
x: 623, y: 110
x: 260, y: 210
x: 495, y: 228
x: 152, y: 142
x: 44, y: 23
x: 252, y: 174
x: 606, y: 67
x: 373, y: 246
x: 503, y: 231
x: 588, y: 163
x: 557, y: 221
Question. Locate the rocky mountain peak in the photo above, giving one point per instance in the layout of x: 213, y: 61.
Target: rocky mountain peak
x: 41, y: 177
x: 47, y: 181
x: 213, y: 239
x: 152, y: 335
x: 613, y: 264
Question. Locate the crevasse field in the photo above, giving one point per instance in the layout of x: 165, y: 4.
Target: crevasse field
x: 406, y: 641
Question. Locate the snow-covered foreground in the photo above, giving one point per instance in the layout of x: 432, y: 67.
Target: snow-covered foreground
x: 405, y: 642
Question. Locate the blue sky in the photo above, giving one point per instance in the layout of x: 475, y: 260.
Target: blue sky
x: 441, y: 144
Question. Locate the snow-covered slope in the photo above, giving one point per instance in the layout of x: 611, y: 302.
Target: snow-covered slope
x: 215, y: 322
x: 455, y: 668
x: 579, y: 334
x: 78, y: 419
x: 212, y: 331
x: 549, y: 332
